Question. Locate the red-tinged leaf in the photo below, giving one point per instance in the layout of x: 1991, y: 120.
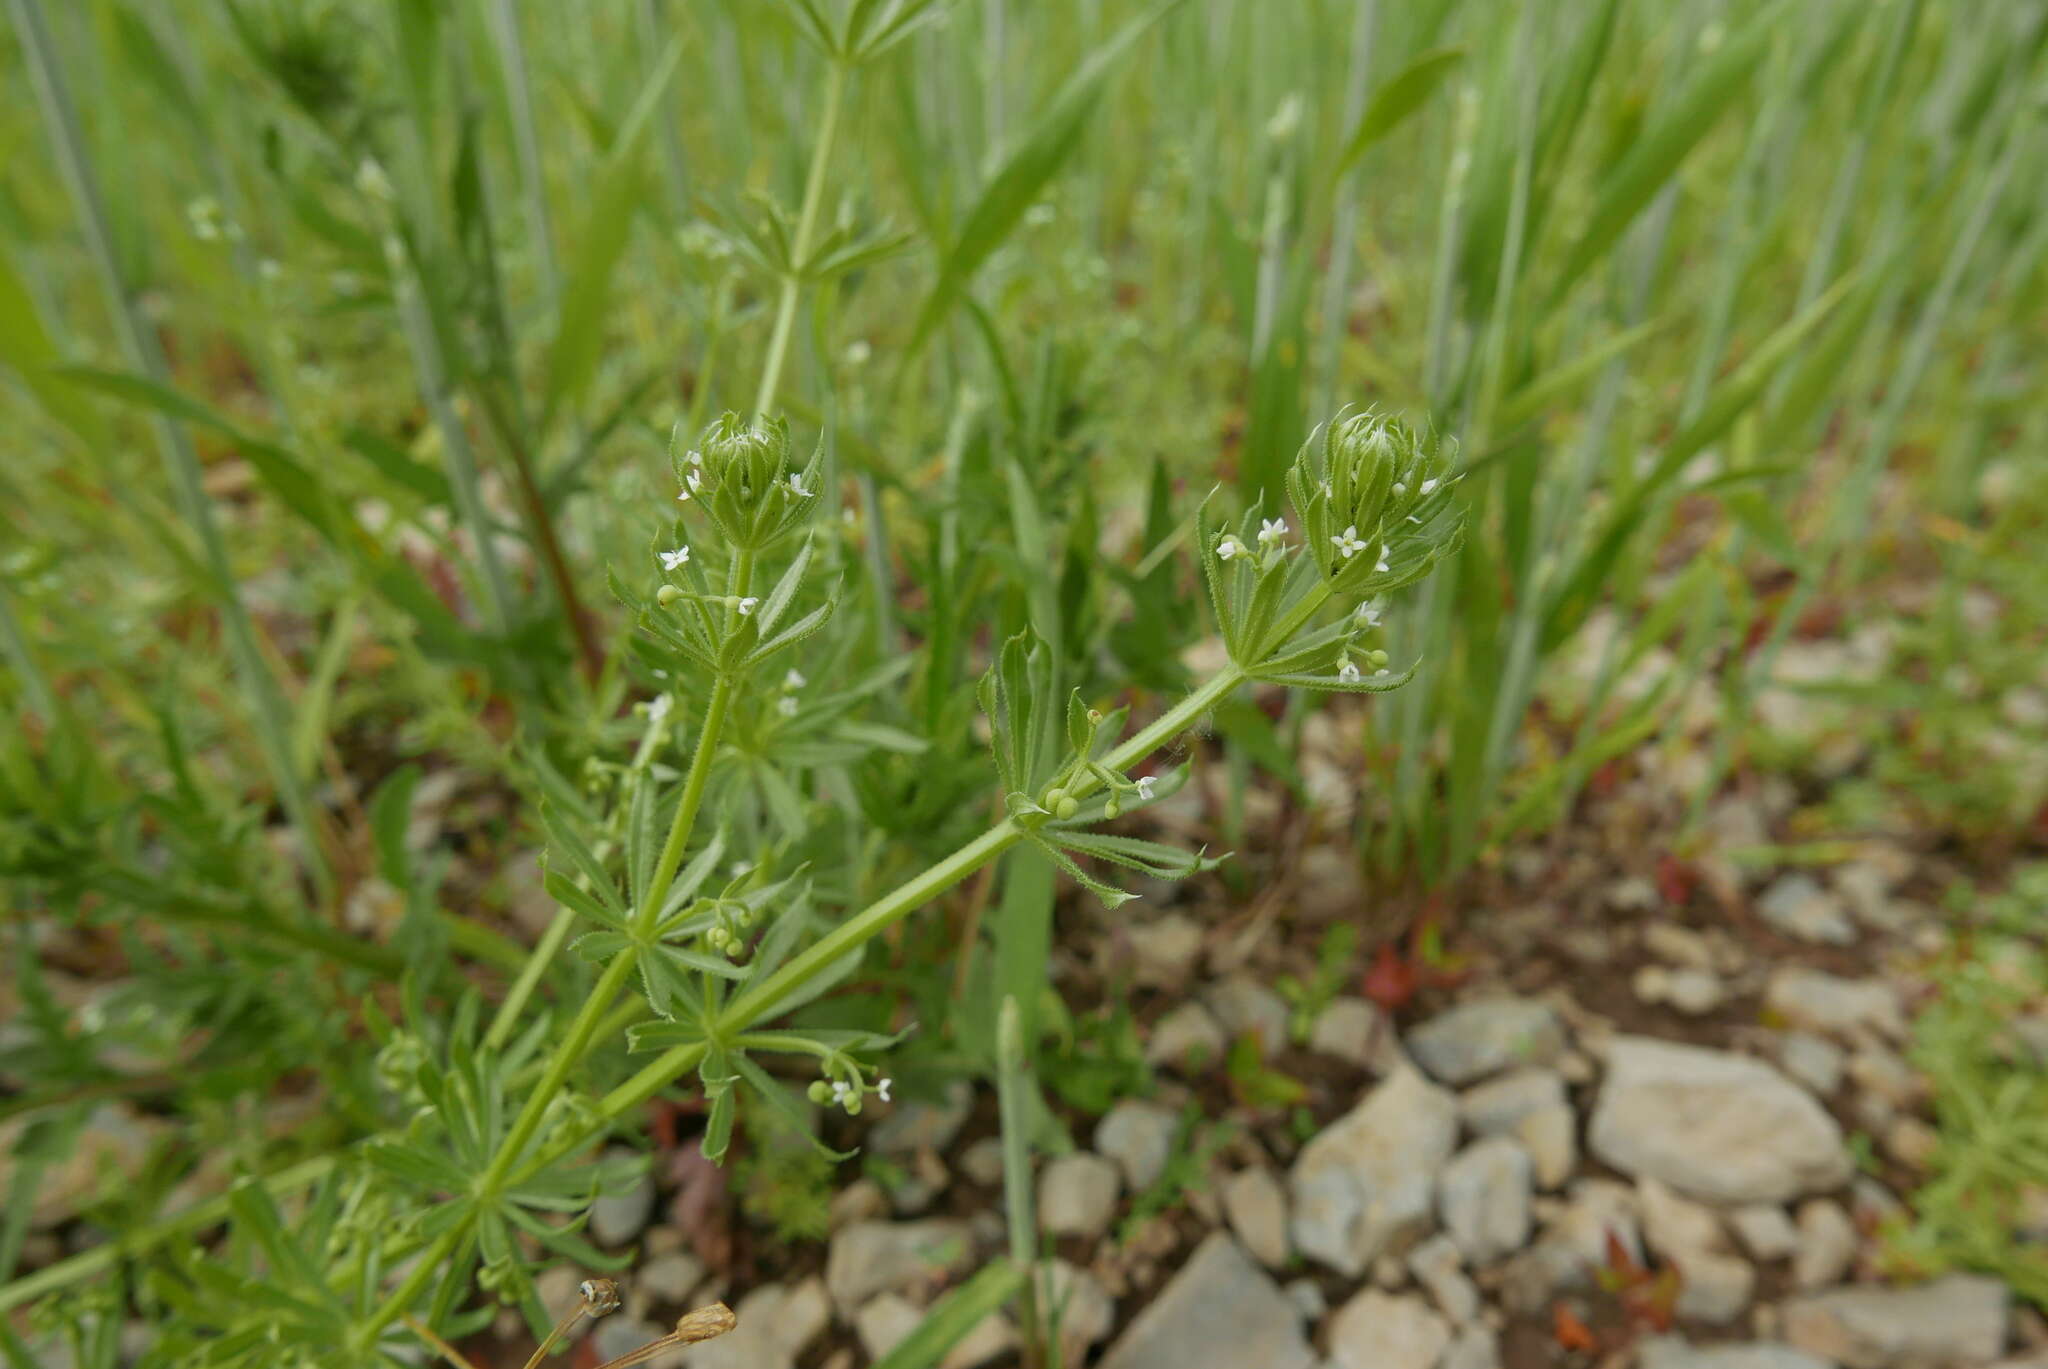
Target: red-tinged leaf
x: 1569, y: 1331
x: 1390, y: 981
x: 1619, y: 1259
x: 1675, y: 880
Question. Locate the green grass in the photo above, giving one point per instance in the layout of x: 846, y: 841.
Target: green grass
x: 340, y: 344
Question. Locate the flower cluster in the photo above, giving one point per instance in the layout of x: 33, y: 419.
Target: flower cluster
x: 1374, y: 499
x: 740, y: 474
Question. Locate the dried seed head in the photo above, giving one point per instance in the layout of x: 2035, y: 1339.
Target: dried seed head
x: 705, y: 1323
x: 599, y: 1296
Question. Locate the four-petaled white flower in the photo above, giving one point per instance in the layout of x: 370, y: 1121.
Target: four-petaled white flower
x: 786, y: 705
x: 796, y: 486
x: 658, y: 707
x: 1348, y: 672
x: 840, y: 1089
x: 882, y: 1089
x: 1348, y: 541
x: 695, y: 458
x: 694, y: 481
x: 1227, y: 547
x: 1369, y: 614
x: 793, y: 680
x: 1271, y: 530
x: 1146, y: 784
x: 746, y: 605
x: 670, y: 560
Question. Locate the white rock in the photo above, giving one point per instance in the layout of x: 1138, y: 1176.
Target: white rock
x: 1485, y: 1037
x: 1075, y: 1301
x: 669, y: 1277
x: 1356, y: 1032
x: 1813, y: 1060
x: 867, y: 1258
x: 1832, y: 1005
x: 882, y: 1323
x: 1483, y: 1197
x: 1475, y: 1348
x: 1368, y: 1180
x: 620, y: 1334
x: 1139, y: 1136
x: 916, y: 1124
x: 616, y: 1218
x: 1800, y: 907
x: 1256, y: 1205
x: 776, y: 1324
x: 1437, y: 1266
x: 1188, y: 1039
x: 1246, y: 1007
x: 1724, y: 1128
x: 1675, y: 1226
x: 1219, y: 1309
x: 1378, y: 1330
x: 1676, y: 945
x: 1765, y: 1231
x: 1166, y: 950
x: 1714, y: 1288
x: 1077, y: 1194
x: 1307, y: 1297
x: 1695, y: 992
x: 1497, y: 1106
x: 983, y: 1161
x: 1551, y: 1136
x: 1960, y: 1319
x: 1827, y: 1244
x: 1881, y: 1074
x: 1671, y: 1352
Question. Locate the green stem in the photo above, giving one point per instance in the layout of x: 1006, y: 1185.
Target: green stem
x: 403, y: 1297
x: 763, y: 998
x: 800, y: 245
x: 649, y: 912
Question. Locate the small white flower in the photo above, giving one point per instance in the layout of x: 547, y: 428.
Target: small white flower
x: 695, y: 483
x: 840, y: 1089
x: 796, y: 486
x: 695, y: 458
x: 1227, y: 547
x: 746, y: 605
x: 1381, y: 564
x: 1271, y: 530
x: 882, y: 1090
x: 671, y: 560
x: 1399, y: 489
x: 786, y: 705
x: 658, y: 707
x: 1369, y: 614
x: 1348, y: 672
x: 1146, y: 784
x: 741, y: 867
x: 1348, y: 541
x: 794, y: 679
x: 1429, y: 486
x: 1380, y: 672
x: 857, y: 352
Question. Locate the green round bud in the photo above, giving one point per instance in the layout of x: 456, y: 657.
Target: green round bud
x: 1054, y: 797
x: 819, y: 1091
x: 1112, y: 809
x: 853, y: 1105
x: 667, y: 595
x: 1066, y: 807
x: 1378, y: 658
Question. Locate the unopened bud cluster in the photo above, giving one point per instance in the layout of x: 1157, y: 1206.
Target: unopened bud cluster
x: 741, y: 473
x: 1374, y: 499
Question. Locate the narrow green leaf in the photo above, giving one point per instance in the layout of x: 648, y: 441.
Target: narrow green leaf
x: 1406, y: 91
x: 959, y: 1313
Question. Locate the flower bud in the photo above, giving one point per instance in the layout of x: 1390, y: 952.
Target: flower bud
x: 819, y: 1092
x: 1373, y: 495
x: 667, y: 595
x: 1112, y: 809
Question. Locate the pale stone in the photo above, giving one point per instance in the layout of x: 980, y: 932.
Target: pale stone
x: 1724, y: 1128
x: 1832, y: 1005
x: 1765, y: 1231
x: 1256, y: 1205
x: 1221, y: 1308
x: 1077, y: 1195
x: 1139, y: 1136
x: 868, y: 1258
x: 1485, y: 1037
x: 1378, y: 1330
x: 1483, y: 1198
x: 1827, y: 1244
x: 1551, y: 1137
x: 1497, y: 1106
x: 1188, y: 1039
x: 1960, y: 1319
x: 1368, y: 1181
